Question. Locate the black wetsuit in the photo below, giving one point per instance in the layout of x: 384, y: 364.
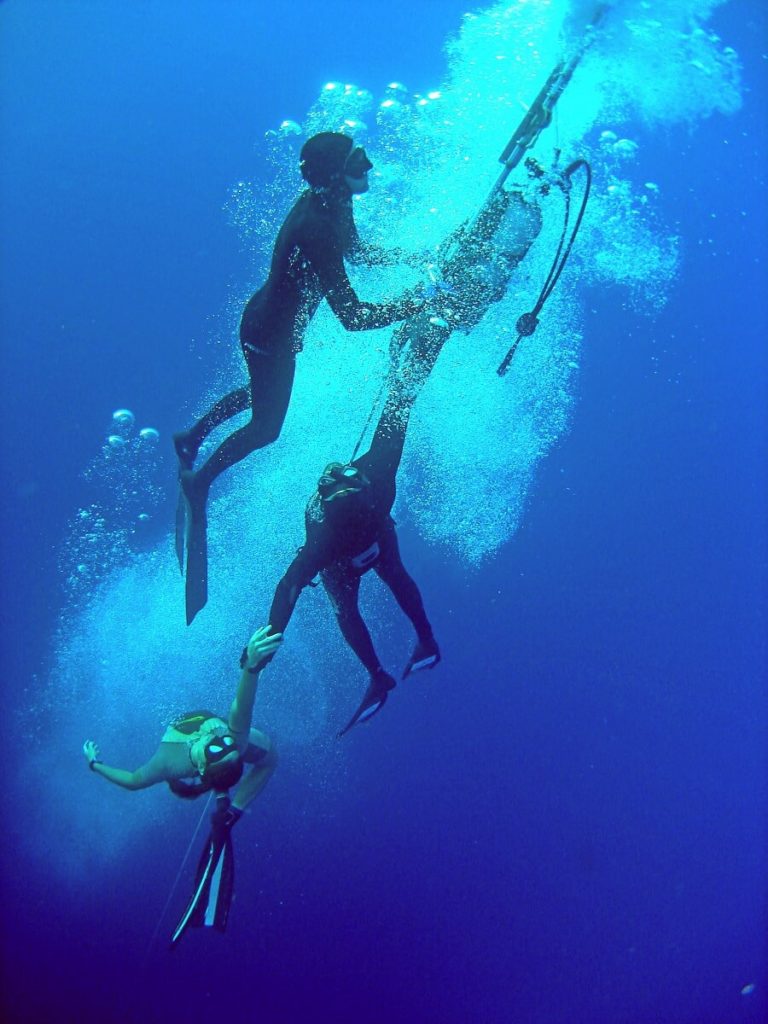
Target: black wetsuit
x: 342, y: 549
x: 307, y: 266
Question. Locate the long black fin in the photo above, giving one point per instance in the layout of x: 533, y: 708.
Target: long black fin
x: 206, y: 868
x: 181, y: 529
x: 196, y: 588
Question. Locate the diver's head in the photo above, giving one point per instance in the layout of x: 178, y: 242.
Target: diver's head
x: 221, y: 775
x: 218, y: 776
x: 217, y: 760
x: 340, y: 481
x: 356, y: 168
x: 330, y: 160
x: 221, y: 765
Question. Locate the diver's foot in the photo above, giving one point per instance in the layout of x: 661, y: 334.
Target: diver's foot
x: 195, y: 493
x: 186, y: 453
x: 426, y: 654
x: 373, y: 701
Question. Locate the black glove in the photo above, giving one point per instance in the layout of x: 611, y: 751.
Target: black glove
x: 223, y: 819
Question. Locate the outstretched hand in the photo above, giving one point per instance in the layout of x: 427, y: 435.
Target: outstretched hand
x: 223, y: 819
x: 262, y: 646
x: 91, y: 752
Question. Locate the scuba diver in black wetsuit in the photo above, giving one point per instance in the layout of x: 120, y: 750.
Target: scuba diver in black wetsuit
x: 307, y: 265
x: 349, y: 530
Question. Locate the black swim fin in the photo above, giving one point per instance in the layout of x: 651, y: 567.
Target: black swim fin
x: 181, y: 529
x: 215, y: 911
x: 196, y: 586
x: 373, y: 701
x: 214, y: 884
x: 426, y: 654
x: 186, y: 462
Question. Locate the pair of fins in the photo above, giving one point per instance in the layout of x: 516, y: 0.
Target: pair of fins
x: 192, y: 548
x: 214, y: 885
x: 425, y: 655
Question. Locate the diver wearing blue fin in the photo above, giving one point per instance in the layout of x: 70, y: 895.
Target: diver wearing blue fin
x: 200, y: 753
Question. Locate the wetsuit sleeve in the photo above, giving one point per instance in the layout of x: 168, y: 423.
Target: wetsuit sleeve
x: 305, y: 566
x: 326, y: 258
x: 371, y: 255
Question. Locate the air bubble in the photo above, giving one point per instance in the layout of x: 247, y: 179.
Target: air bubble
x: 288, y: 128
x: 625, y: 147
x: 123, y: 417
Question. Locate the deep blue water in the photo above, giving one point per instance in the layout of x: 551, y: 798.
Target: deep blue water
x: 566, y: 822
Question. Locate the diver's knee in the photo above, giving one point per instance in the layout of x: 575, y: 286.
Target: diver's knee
x: 260, y: 435
x: 348, y: 618
x: 269, y: 433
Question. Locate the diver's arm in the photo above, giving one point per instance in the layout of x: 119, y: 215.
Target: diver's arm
x: 258, y: 652
x: 355, y: 315
x: 382, y: 460
x: 302, y: 570
x: 147, y: 775
x: 372, y: 255
x: 328, y: 263
x: 123, y: 778
x: 256, y: 779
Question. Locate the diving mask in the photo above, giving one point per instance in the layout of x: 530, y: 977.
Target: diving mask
x: 357, y: 163
x: 339, y: 479
x: 218, y: 748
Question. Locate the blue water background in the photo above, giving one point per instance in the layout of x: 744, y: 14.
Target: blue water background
x: 566, y: 821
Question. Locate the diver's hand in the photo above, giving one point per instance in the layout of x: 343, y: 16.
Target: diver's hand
x: 91, y: 752
x: 412, y: 301
x: 261, y: 646
x: 224, y: 818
